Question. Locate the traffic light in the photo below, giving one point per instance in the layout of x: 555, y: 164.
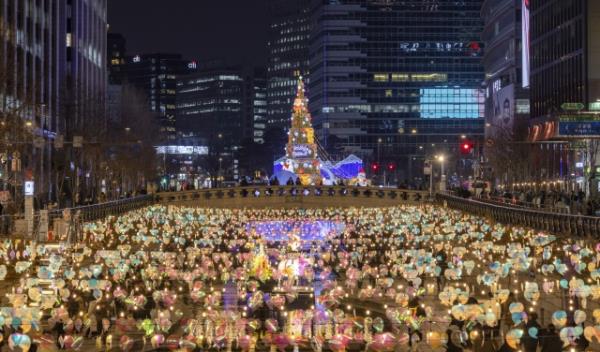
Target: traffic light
x: 466, y: 147
x: 391, y: 167
x: 375, y: 167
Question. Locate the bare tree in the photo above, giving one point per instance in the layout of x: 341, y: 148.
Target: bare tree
x: 508, y: 154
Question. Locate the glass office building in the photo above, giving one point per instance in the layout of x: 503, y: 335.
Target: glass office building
x: 564, y: 55
x: 156, y: 75
x: 396, y: 81
x: 289, y: 32
x: 210, y: 105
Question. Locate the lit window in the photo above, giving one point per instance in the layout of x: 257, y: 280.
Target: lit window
x: 400, y: 77
x: 381, y: 77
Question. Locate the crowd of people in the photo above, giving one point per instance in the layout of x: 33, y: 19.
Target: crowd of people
x: 403, y: 278
x: 553, y: 199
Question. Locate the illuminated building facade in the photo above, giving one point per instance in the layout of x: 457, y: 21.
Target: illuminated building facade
x: 210, y: 105
x: 256, y: 106
x: 396, y: 81
x: 52, y: 61
x: 507, y: 97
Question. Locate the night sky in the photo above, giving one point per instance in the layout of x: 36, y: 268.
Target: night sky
x: 234, y: 30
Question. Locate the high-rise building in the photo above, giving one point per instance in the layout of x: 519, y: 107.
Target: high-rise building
x: 116, y: 53
x: 85, y: 68
x: 211, y: 110
x: 564, y: 54
x: 52, y: 62
x: 564, y: 88
x: 397, y: 82
x: 256, y: 106
x: 289, y: 32
x: 156, y: 75
x: 507, y: 101
x: 210, y: 105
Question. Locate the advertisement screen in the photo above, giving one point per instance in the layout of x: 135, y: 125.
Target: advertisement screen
x: 525, y: 41
x: 504, y: 108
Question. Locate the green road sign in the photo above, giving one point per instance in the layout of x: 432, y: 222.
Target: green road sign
x: 572, y: 106
x: 577, y: 145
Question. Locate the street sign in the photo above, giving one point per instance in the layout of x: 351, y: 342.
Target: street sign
x: 594, y: 106
x: 427, y: 169
x: 572, y: 106
x: 29, y: 187
x: 579, y: 125
x: 577, y: 145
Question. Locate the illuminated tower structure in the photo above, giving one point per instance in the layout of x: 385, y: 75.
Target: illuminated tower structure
x: 301, y: 149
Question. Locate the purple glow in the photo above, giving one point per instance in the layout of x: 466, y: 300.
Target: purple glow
x: 307, y: 231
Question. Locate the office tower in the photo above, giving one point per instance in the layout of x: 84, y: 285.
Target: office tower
x: 564, y: 54
x: 289, y: 32
x: 85, y: 68
x: 397, y: 82
x: 210, y: 105
x: 54, y: 73
x: 256, y: 106
x: 116, y: 53
x: 507, y: 101
x: 156, y: 75
x: 565, y: 90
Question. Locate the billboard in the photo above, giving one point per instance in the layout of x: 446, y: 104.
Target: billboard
x: 525, y: 40
x: 453, y: 103
x: 504, y: 108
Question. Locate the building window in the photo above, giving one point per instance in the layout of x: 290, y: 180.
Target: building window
x: 381, y: 77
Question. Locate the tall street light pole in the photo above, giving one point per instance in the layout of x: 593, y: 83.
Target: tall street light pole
x: 441, y: 159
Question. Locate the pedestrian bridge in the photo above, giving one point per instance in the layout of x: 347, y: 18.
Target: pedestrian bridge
x: 294, y: 196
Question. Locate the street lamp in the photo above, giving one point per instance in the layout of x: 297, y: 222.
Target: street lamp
x: 441, y: 159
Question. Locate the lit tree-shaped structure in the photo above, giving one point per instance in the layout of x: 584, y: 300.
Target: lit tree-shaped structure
x: 301, y: 150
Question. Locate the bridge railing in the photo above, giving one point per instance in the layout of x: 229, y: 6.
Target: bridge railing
x: 562, y: 224
x: 245, y: 195
x: 102, y: 210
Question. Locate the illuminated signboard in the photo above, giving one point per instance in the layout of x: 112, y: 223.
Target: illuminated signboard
x: 301, y: 151
x: 181, y: 150
x: 526, y: 42
x: 454, y: 103
x: 29, y: 187
x: 580, y: 125
x: 595, y: 106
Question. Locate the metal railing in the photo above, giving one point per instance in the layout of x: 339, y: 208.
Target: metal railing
x: 294, y: 192
x: 560, y: 224
x: 102, y: 210
x: 515, y: 203
x: 69, y: 220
